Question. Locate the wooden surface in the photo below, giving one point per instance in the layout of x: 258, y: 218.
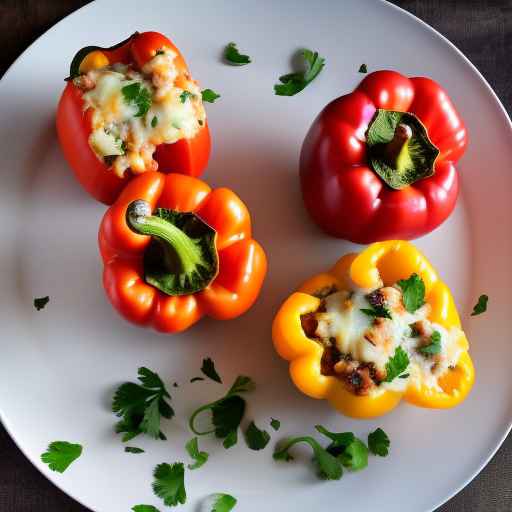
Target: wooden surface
x: 481, y: 29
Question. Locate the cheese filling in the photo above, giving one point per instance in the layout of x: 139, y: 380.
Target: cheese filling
x: 133, y: 112
x: 359, y: 345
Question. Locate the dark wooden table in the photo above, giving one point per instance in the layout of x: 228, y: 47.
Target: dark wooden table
x: 482, y: 29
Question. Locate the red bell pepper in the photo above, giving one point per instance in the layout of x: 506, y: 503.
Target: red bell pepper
x: 379, y: 163
x: 186, y: 156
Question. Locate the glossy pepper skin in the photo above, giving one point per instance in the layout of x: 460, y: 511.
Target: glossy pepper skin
x: 242, y: 261
x: 382, y: 263
x: 343, y: 194
x: 187, y: 156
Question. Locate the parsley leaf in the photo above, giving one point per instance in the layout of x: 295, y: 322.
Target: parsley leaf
x: 60, y: 455
x: 293, y: 83
x: 479, y: 308
x: 137, y: 94
x: 196, y: 379
x: 40, y: 302
x: 144, y: 508
x: 363, y: 68
x: 434, y: 347
x: 396, y: 364
x: 355, y: 455
x: 242, y: 384
x: 378, y: 442
x: 233, y: 56
x: 200, y: 458
x: 133, y: 449
x: 339, y: 440
x: 141, y: 406
x: 413, y: 292
x: 169, y: 483
x: 255, y: 438
x: 209, y: 370
x: 209, y: 95
x: 185, y: 95
x: 275, y: 424
x: 230, y: 440
x: 377, y: 312
x: 223, y: 503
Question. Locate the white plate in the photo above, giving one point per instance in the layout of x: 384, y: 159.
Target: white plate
x: 59, y: 366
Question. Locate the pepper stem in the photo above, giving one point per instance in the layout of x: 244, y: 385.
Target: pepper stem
x: 396, y: 151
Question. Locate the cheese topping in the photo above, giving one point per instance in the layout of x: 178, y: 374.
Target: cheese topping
x: 133, y: 112
x: 360, y: 345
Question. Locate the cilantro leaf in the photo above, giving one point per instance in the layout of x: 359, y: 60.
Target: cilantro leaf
x: 275, y: 424
x: 339, y: 440
x: 330, y: 467
x: 230, y: 440
x: 363, y: 68
x: 233, y: 56
x: 355, y: 455
x: 144, y: 508
x: 413, y: 292
x: 434, y: 347
x: 293, y: 83
x: 209, y: 370
x: 141, y: 406
x: 377, y: 312
x: 396, y: 364
x: 200, y: 458
x: 196, y: 379
x: 40, y: 302
x: 378, y: 442
x: 209, y: 95
x: 135, y: 93
x: 133, y: 449
x: 60, y: 455
x: 255, y: 438
x: 169, y: 483
x: 242, y: 384
x: 185, y: 95
x: 223, y: 503
x: 479, y: 308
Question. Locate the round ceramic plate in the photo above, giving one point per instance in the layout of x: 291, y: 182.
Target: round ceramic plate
x: 60, y: 366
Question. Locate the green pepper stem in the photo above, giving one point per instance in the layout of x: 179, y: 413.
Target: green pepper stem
x: 140, y: 220
x: 396, y: 148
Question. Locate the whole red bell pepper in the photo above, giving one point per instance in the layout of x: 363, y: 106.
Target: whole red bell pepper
x: 74, y: 123
x: 379, y: 163
x: 174, y: 250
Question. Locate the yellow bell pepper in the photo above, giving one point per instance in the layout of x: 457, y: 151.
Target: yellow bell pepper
x: 381, y: 264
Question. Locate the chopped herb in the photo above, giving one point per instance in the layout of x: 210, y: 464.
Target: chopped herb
x: 293, y: 83
x: 185, y: 95
x: 275, y: 424
x: 200, y: 122
x: 123, y: 146
x: 414, y: 331
x: 160, y: 52
x: 223, y: 503
x: 355, y: 455
x: 169, y: 483
x: 175, y: 385
x: 40, y: 302
x: 377, y: 312
x: 230, y: 440
x: 209, y: 95
x: 481, y: 306
x: 141, y: 406
x: 397, y: 364
x: 154, y: 121
x: 137, y: 94
x: 195, y: 379
x: 339, y: 440
x: 233, y: 56
x: 413, y: 292
x: 378, y: 442
x: 363, y: 68
x: 200, y: 458
x: 209, y: 370
x: 434, y: 347
x: 255, y: 438
x: 144, y: 508
x: 60, y: 455
x: 404, y: 376
x: 133, y: 449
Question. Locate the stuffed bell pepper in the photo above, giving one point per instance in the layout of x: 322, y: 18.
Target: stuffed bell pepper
x: 379, y: 163
x: 379, y: 327
x: 129, y: 109
x: 174, y: 250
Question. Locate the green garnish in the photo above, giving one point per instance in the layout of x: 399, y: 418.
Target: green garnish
x: 350, y: 450
x: 154, y: 121
x: 233, y: 56
x: 208, y: 368
x: 414, y: 331
x: 378, y: 442
x: 60, y: 455
x: 137, y: 94
x: 209, y: 95
x: 169, y: 483
x: 227, y: 412
x: 199, y: 457
x: 223, y: 503
x: 255, y: 438
x: 396, y: 364
x: 141, y: 406
x: 479, y: 308
x: 144, y: 508
x: 377, y: 312
x: 413, y: 292
x: 338, y: 440
x: 196, y: 379
x: 434, y: 347
x: 185, y: 95
x: 40, y: 302
x: 404, y: 376
x: 133, y: 449
x: 293, y: 83
x: 363, y: 68
x: 275, y: 424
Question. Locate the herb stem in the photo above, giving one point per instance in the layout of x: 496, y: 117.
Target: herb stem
x: 194, y: 416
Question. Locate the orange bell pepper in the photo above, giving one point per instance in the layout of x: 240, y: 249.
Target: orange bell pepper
x: 175, y: 250
x: 381, y: 264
